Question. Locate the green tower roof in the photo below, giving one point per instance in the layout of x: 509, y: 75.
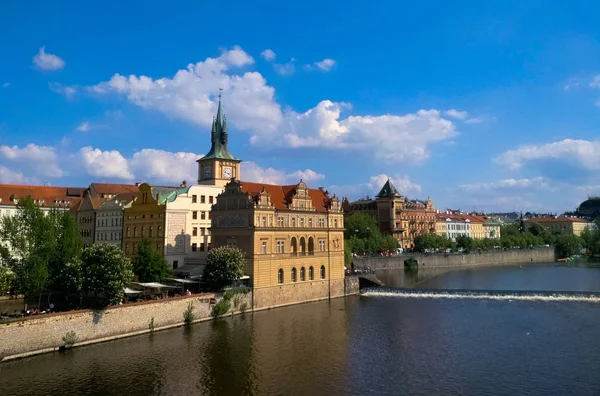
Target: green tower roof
x: 218, y: 138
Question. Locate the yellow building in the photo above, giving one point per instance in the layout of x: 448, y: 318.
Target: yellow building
x: 572, y: 225
x: 293, y: 237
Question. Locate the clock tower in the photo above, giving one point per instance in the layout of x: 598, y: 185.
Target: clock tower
x: 218, y: 167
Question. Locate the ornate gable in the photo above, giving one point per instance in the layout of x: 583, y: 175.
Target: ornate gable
x: 233, y: 197
x: 300, y: 199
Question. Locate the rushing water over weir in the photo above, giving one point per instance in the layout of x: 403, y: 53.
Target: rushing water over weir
x: 509, y: 295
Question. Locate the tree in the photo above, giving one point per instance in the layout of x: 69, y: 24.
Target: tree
x: 149, y: 265
x: 106, y: 271
x: 224, y: 265
x: 362, y: 235
x: 567, y: 245
x: 7, y: 275
x: 65, y: 262
x: 465, y: 242
x: 428, y: 241
x: 30, y: 235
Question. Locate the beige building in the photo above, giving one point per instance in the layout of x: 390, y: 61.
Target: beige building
x: 572, y: 225
x: 293, y: 237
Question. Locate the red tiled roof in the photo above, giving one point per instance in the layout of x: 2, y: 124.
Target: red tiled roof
x: 281, y: 195
x: 49, y: 194
x: 106, y: 188
x: 557, y: 220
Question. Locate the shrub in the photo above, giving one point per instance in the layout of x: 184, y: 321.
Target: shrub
x: 224, y: 265
x: 151, y: 325
x: 69, y: 339
x: 188, y: 314
x: 220, y: 309
x: 244, y: 307
x: 228, y: 295
x: 411, y: 264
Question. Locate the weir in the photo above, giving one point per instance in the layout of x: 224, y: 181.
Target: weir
x: 516, y: 295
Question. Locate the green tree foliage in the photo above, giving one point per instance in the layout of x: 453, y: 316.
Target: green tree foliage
x: 591, y: 238
x: 362, y: 235
x: 149, y: 265
x: 65, y: 261
x: 31, y: 237
x: 465, y: 242
x: 7, y: 275
x: 106, y: 272
x: 567, y: 245
x: 224, y: 265
x: 429, y: 241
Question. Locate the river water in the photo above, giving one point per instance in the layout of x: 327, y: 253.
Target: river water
x: 436, y: 341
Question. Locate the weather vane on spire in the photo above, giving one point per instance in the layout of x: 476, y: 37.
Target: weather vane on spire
x: 220, y: 90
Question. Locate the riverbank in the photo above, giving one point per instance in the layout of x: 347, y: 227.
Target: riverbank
x: 46, y: 333
x: 440, y: 260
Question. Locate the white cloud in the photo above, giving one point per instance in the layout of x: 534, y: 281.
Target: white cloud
x: 83, y: 127
x: 251, y: 106
x: 268, y: 55
x: 508, y: 184
x: 474, y: 120
x: 46, y: 61
x: 106, y: 164
x: 164, y: 166
x: 61, y: 89
x: 595, y: 83
x: 6, y: 85
x: 584, y: 153
x: 459, y: 115
x: 571, y: 85
x: 190, y: 93
x: 325, y: 65
x: 40, y: 160
x: 252, y: 172
x: 403, y: 184
x: 285, y: 69
x: 10, y: 176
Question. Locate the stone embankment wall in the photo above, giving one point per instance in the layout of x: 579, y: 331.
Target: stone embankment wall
x: 440, y: 260
x: 44, y: 333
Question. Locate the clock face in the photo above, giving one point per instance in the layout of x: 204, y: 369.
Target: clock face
x: 227, y: 172
x: 207, y: 172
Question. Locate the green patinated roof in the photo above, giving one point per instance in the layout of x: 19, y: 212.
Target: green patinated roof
x: 167, y: 194
x: 219, y: 138
x: 388, y: 191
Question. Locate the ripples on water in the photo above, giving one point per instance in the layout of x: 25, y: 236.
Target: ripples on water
x: 368, y: 345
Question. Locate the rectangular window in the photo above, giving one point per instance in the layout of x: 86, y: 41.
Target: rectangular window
x: 264, y: 221
x: 202, y: 247
x: 210, y: 199
x: 158, y: 247
x: 203, y: 215
x: 202, y: 231
x: 263, y: 247
x: 194, y: 198
x: 202, y: 199
x: 194, y: 215
x: 195, y: 231
x: 194, y: 247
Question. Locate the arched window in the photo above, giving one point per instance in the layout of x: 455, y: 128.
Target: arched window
x: 280, y: 276
x: 311, y: 273
x: 302, y: 245
x: 293, y: 222
x: 151, y: 231
x: 311, y: 246
x: 322, y: 272
x: 294, y: 274
x: 135, y: 232
x: 294, y: 246
x: 159, y: 231
x: 302, y: 274
x: 310, y: 222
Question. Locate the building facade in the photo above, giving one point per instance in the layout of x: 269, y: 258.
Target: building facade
x: 452, y: 226
x: 293, y: 238
x: 571, y: 225
x: 397, y: 215
x: 109, y: 219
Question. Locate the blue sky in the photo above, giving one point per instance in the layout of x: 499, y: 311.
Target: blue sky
x: 480, y: 105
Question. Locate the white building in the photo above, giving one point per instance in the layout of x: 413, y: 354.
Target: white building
x: 187, y: 223
x: 455, y: 226
x: 109, y: 219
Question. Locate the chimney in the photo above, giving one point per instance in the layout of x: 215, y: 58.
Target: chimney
x: 137, y: 184
x: 184, y: 184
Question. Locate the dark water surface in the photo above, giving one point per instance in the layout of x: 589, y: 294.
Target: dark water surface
x: 381, y: 344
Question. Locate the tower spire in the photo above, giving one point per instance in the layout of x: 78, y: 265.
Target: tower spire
x: 219, y: 135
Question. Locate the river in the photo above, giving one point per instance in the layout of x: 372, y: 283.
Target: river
x: 444, y: 342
